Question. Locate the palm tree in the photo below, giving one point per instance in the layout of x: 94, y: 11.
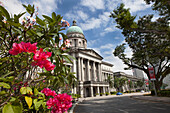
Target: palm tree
x: 110, y: 80
x: 119, y: 82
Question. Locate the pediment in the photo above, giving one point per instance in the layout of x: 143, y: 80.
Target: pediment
x: 91, y: 52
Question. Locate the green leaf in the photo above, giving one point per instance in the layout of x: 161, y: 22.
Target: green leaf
x: 26, y: 90
x: 14, y: 108
x: 54, y: 16
x: 14, y: 24
x: 37, y: 104
x: 42, y: 94
x: 40, y: 34
x: 23, y: 90
x: 7, y: 74
x: 4, y: 85
x: 28, y: 101
x: 12, y: 99
x: 44, y: 104
x: 5, y: 12
x: 35, y: 91
x: 7, y: 109
x: 48, y: 18
x: 40, y: 22
x: 3, y: 92
x: 16, y: 17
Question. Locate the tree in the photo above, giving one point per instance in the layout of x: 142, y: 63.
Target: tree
x: 140, y: 83
x: 25, y: 47
x: 119, y: 82
x: 148, y: 40
x: 110, y: 81
x: 130, y: 84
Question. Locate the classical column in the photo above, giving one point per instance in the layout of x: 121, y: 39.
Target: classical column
x: 79, y: 69
x: 82, y: 70
x: 81, y: 89
x: 91, y: 91
x: 104, y: 90
x: 98, y: 91
x: 88, y: 71
x: 94, y: 72
x: 74, y: 64
x: 99, y: 72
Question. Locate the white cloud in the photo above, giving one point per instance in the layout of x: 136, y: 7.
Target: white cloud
x: 155, y: 18
x: 90, y: 43
x: 107, y: 52
x: 45, y: 7
x: 13, y: 6
x: 101, y: 21
x: 93, y: 4
x: 116, y: 38
x: 91, y: 24
x: 135, y: 5
x: 77, y: 15
x: 107, y: 46
x: 109, y: 29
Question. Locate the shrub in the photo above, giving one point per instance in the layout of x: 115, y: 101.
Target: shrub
x: 113, y: 93
x: 101, y: 94
x: 164, y: 93
x: 107, y: 93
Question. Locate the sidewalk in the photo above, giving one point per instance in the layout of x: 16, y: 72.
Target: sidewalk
x: 152, y: 98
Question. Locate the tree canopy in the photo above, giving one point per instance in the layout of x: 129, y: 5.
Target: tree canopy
x: 148, y: 39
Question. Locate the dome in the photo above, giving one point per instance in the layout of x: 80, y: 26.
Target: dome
x: 74, y: 29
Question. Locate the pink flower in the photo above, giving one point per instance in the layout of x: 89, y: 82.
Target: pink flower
x: 60, y: 38
x: 50, y: 103
x: 40, y: 55
x: 16, y: 49
x: 43, y: 80
x: 59, y: 103
x: 48, y: 92
x: 23, y: 47
x: 49, y: 66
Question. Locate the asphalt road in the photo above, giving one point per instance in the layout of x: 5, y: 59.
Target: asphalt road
x: 120, y: 104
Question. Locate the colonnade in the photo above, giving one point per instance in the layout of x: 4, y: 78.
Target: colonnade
x: 89, y: 70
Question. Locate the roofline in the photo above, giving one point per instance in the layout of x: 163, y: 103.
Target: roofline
x: 107, y: 63
x: 89, y: 54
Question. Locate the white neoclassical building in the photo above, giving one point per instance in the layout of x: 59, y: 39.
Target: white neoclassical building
x: 90, y: 70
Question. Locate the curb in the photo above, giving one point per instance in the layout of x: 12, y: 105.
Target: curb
x: 72, y: 109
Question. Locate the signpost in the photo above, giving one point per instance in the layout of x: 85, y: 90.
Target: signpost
x: 152, y: 77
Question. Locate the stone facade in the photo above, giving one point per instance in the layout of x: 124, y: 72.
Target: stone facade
x: 90, y: 70
x: 131, y: 78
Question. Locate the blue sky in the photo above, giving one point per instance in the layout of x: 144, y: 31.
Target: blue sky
x: 93, y: 17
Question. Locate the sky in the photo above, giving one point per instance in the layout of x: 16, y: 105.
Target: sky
x: 92, y: 17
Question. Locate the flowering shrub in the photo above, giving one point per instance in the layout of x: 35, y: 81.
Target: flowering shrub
x: 59, y: 103
x: 40, y: 57
x: 20, y: 60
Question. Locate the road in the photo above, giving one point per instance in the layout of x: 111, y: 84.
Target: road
x: 120, y: 104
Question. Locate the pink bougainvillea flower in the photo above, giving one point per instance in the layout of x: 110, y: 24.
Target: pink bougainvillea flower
x: 48, y: 92
x: 59, y: 103
x: 49, y: 66
x: 23, y: 47
x: 40, y: 55
x: 50, y: 103
x: 16, y: 49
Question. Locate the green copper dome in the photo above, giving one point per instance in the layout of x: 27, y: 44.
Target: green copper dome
x: 74, y: 28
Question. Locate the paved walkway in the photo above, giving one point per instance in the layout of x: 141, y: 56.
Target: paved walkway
x: 92, y: 102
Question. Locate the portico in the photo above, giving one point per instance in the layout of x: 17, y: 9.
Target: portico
x: 88, y: 65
